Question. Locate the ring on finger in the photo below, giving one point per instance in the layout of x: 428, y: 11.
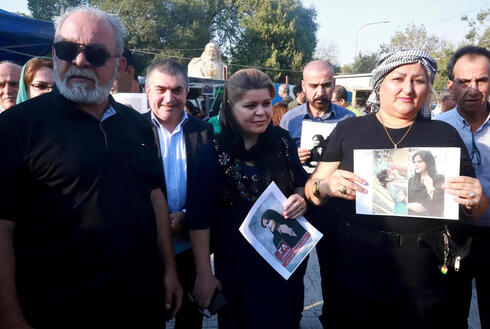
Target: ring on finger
x: 472, y: 194
x: 343, y: 190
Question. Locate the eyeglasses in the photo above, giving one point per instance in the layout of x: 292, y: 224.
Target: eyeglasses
x: 68, y: 51
x: 475, y: 152
x: 42, y: 86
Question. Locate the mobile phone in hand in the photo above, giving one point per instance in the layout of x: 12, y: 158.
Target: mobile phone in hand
x: 217, y: 302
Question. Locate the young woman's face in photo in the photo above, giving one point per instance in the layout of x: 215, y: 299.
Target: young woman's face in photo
x: 316, y: 141
x: 254, y: 111
x: 420, y: 165
x: 269, y: 224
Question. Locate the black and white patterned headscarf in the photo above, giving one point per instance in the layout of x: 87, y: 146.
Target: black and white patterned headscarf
x: 390, y: 61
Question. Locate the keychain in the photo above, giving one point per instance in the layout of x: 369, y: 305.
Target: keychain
x: 446, y: 235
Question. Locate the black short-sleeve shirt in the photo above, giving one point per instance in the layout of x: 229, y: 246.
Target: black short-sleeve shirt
x: 78, y: 190
x: 368, y: 133
x: 388, y: 270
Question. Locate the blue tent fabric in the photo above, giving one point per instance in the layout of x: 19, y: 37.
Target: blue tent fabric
x: 22, y: 38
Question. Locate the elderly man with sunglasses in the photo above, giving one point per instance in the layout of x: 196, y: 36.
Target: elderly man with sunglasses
x: 84, y: 227
x: 468, y: 71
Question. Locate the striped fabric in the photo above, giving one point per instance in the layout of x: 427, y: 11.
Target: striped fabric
x: 390, y: 61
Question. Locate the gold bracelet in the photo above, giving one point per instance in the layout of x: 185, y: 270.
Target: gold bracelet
x: 316, y: 189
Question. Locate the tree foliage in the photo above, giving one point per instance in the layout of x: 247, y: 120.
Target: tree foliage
x: 275, y: 34
x: 278, y: 34
x: 48, y: 9
x: 362, y: 64
x: 479, y: 33
x: 414, y: 37
x: 328, y: 52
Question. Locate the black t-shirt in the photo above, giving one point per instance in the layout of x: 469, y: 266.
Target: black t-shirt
x: 78, y: 190
x: 367, y: 133
x: 371, y: 267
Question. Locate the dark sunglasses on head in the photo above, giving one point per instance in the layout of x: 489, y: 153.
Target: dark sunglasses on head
x: 68, y: 51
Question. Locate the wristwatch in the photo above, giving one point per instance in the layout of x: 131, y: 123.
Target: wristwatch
x: 316, y: 189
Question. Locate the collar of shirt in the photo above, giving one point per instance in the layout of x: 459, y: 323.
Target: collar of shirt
x: 108, y: 113
x: 461, y: 122
x: 331, y: 114
x: 177, y: 129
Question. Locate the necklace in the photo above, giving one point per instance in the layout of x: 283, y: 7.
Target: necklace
x: 395, y: 145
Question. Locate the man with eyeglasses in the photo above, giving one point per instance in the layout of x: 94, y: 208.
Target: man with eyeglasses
x: 468, y: 71
x: 84, y: 227
x: 9, y: 84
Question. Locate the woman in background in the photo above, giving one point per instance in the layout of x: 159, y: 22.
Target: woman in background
x: 278, y: 110
x: 37, y: 78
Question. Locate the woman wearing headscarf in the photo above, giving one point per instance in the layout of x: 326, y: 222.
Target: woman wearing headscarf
x: 392, y: 271
x: 37, y: 78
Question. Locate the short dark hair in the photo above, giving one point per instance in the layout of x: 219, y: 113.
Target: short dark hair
x: 167, y: 66
x: 297, y: 89
x: 130, y: 60
x: 340, y: 92
x: 466, y: 50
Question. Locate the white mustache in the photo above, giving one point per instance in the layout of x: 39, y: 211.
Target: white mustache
x: 74, y: 71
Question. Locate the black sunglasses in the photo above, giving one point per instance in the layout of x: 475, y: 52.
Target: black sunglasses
x: 68, y: 51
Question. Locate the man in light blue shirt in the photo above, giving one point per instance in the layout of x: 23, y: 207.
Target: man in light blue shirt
x: 318, y: 84
x: 468, y: 71
x: 179, y: 138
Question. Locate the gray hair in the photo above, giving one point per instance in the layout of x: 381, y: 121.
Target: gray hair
x: 10, y: 63
x: 113, y: 20
x: 169, y: 67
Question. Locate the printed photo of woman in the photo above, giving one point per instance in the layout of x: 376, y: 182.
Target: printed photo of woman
x: 287, y: 231
x: 425, y: 191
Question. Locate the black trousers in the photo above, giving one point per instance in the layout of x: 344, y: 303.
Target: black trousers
x: 323, y: 219
x: 479, y: 260
x: 188, y: 316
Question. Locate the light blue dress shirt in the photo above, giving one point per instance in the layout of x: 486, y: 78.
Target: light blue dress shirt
x: 478, y: 146
x: 174, y: 158
x: 292, y: 121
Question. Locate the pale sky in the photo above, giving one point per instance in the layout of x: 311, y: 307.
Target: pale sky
x: 340, y: 21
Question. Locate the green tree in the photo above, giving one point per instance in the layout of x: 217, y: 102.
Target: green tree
x: 277, y: 34
x: 48, y: 9
x: 414, y: 37
x: 479, y: 33
x: 442, y: 57
x: 363, y: 64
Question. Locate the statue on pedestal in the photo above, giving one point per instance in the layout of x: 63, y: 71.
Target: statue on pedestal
x: 209, y: 65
